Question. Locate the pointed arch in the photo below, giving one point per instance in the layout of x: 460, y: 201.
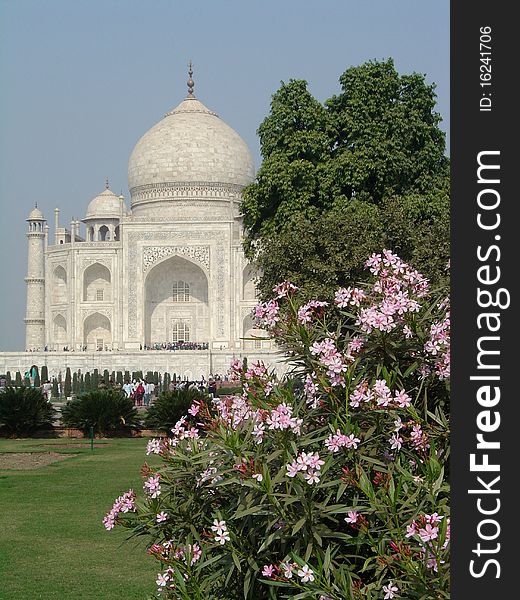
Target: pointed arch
x: 97, y: 331
x: 176, y: 291
x: 97, y: 278
x: 59, y: 293
x: 59, y: 330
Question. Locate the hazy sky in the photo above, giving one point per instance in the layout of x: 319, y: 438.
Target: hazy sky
x: 83, y: 80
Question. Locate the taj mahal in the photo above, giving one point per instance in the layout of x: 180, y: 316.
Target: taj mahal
x: 167, y: 273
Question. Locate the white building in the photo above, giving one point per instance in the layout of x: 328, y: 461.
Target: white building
x: 168, y: 270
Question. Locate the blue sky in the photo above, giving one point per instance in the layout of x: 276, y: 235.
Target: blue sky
x: 82, y: 81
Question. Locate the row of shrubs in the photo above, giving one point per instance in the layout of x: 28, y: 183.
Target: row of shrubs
x: 24, y: 411
x: 75, y: 383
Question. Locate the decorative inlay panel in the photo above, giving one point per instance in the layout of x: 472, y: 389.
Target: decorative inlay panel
x: 106, y: 262
x: 151, y: 254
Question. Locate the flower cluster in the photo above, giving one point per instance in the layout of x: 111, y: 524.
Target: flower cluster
x: 353, y: 296
x: 399, y: 287
x: 308, y: 463
x: 123, y: 504
x: 285, y: 570
x: 154, y: 446
x: 378, y: 396
x: 221, y: 531
x: 267, y: 313
x: 339, y: 440
x: 281, y: 418
x: 438, y: 344
x: 152, y: 487
x: 331, y: 359
x: 308, y: 311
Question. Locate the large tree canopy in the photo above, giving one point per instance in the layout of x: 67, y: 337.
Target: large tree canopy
x: 365, y: 170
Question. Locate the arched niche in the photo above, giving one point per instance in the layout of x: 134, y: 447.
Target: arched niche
x: 97, y: 332
x: 248, y: 284
x: 97, y: 284
x: 103, y: 234
x: 59, y: 324
x: 164, y: 306
x: 59, y: 285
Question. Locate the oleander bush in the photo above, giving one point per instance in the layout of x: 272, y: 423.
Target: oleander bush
x: 24, y: 411
x: 108, y: 411
x: 331, y: 484
x: 170, y: 406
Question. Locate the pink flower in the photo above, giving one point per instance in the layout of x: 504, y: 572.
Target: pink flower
x: 194, y: 409
x: 152, y: 487
x: 390, y: 590
x: 396, y: 441
x: 306, y: 574
x: 222, y: 537
x: 403, y: 399
x: 282, y: 290
x: 161, y: 517
x: 428, y: 533
x: 268, y: 570
x: 352, y: 517
x: 411, y: 529
x: 153, y: 447
x: 293, y: 469
x: 162, y: 580
x: 311, y: 477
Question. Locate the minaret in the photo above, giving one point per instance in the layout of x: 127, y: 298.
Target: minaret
x: 35, y: 280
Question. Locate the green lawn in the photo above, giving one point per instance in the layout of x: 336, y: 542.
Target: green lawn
x: 52, y: 542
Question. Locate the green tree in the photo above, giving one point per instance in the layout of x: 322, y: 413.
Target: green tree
x: 37, y: 380
x: 363, y: 171
x: 18, y: 379
x: 55, y: 389
x: 44, y: 374
x: 81, y: 382
x: 94, y: 380
x: 88, y: 382
x: 127, y: 377
x: 8, y: 379
x: 67, y: 388
x: 119, y: 378
x: 75, y: 384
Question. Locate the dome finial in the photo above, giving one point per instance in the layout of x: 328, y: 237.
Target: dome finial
x: 190, y: 80
x: 106, y: 183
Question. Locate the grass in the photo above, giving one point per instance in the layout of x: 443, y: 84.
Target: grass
x: 53, y: 545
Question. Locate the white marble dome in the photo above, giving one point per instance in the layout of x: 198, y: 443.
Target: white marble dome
x: 35, y: 215
x: 191, y: 146
x: 104, y: 206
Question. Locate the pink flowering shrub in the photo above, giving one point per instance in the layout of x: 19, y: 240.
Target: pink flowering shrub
x: 331, y: 484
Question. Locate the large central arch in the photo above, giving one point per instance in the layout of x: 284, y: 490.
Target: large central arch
x: 176, y: 299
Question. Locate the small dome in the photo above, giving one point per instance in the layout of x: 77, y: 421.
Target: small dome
x: 104, y: 206
x: 190, y: 145
x: 35, y: 215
